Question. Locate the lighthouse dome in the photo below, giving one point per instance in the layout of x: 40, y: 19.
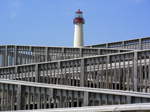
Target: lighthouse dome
x: 78, y: 17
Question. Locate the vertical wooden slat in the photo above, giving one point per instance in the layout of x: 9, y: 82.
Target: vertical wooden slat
x: 98, y: 73
x: 135, y: 71
x: 37, y: 74
x: 54, y: 67
x: 69, y: 73
x: 19, y: 97
x: 90, y: 74
x: 119, y: 73
x: 82, y: 73
x: 7, y: 97
x: 86, y: 98
x: 29, y: 72
x: 111, y: 74
x: 140, y: 73
x: 43, y: 73
x: 46, y: 68
x: 2, y: 97
x: 32, y: 69
x: 45, y: 100
x: 128, y: 73
x: 124, y: 73
x: 65, y: 74
x: 77, y: 74
x: 21, y: 73
x: 50, y: 73
x: 58, y: 74
x: 145, y: 72
x: 94, y: 72
x: 73, y: 76
x: 25, y: 73
x: 12, y: 97
x: 29, y: 97
x: 102, y: 74
x: 149, y: 73
x: 115, y: 73
x: 33, y: 93
x: 39, y: 98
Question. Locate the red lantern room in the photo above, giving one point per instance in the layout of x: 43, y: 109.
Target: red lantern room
x: 78, y: 17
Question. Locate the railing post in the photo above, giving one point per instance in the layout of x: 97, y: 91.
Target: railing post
x: 135, y: 70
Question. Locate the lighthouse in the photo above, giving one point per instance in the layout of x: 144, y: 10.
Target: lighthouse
x: 78, y: 30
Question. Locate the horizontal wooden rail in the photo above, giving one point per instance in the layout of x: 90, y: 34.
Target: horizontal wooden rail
x: 121, y: 71
x: 144, y: 107
x: 20, y: 95
x: 16, y: 55
x: 139, y: 43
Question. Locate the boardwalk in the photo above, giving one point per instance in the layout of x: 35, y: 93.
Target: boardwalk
x: 41, y: 77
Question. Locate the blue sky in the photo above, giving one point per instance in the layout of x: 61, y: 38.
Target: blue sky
x: 50, y: 22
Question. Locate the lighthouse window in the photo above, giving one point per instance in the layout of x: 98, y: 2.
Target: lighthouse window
x: 78, y: 15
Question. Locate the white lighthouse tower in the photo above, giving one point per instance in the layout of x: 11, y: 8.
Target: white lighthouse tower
x: 78, y: 31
